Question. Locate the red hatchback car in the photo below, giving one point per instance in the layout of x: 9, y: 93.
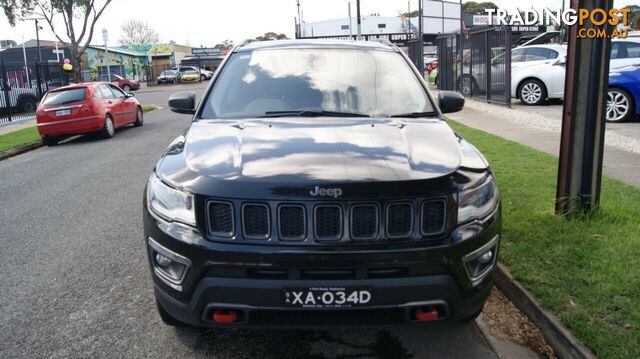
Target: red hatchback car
x: 95, y: 107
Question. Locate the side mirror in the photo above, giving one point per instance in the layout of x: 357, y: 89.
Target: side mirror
x: 129, y: 94
x: 561, y: 61
x: 183, y: 102
x: 450, y: 101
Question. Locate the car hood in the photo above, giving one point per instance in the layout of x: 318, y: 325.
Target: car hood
x: 290, y: 152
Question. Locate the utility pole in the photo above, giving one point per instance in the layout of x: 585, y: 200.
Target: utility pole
x: 105, y: 37
x: 299, y: 20
x: 421, y: 37
x: 38, y: 39
x: 359, y: 20
x: 350, y: 28
x: 583, y: 116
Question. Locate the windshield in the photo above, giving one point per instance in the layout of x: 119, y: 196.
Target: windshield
x: 62, y: 97
x: 367, y: 82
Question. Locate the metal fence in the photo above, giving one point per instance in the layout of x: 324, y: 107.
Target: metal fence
x: 477, y: 64
x: 22, y: 87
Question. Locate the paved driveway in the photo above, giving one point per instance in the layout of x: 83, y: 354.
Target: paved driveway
x: 73, y: 270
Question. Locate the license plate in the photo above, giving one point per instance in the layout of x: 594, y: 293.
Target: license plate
x: 327, y: 297
x: 63, y: 113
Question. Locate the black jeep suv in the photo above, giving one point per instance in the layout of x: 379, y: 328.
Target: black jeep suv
x: 319, y: 184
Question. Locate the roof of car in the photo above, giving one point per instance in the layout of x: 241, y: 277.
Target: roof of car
x: 314, y: 43
x: 546, y: 46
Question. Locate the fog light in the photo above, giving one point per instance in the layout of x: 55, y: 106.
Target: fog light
x: 162, y: 261
x: 479, y: 263
x: 486, y: 257
x: 169, y: 266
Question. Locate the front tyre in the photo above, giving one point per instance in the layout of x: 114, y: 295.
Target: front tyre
x: 108, y: 130
x: 139, y: 118
x: 532, y: 92
x: 620, y: 106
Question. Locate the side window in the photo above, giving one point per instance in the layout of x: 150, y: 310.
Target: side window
x: 625, y: 50
x: 539, y: 53
x: 116, y: 92
x: 614, y: 50
x: 633, y: 49
x: 517, y: 55
x: 106, y: 93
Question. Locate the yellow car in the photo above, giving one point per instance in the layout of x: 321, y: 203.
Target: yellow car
x: 190, y: 76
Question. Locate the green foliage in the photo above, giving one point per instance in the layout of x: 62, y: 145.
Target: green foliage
x: 584, y: 269
x: 414, y: 13
x: 477, y: 8
x: 226, y: 44
x: 272, y: 36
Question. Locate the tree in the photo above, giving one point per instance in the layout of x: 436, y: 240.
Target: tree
x: 138, y: 32
x: 77, y: 15
x: 226, y: 44
x: 477, y: 8
x: 414, y: 13
x: 272, y: 36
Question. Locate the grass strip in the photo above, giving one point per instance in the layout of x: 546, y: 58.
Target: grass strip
x: 585, y: 269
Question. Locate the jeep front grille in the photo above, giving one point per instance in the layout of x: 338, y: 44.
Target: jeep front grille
x: 310, y: 222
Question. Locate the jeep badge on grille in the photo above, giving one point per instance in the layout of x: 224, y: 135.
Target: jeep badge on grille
x: 326, y: 192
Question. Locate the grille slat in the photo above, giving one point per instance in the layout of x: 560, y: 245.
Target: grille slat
x: 221, y: 219
x: 255, y: 221
x: 292, y: 222
x: 399, y: 220
x: 364, y: 221
x: 328, y: 222
x: 434, y: 217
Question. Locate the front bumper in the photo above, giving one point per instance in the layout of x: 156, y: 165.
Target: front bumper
x: 250, y: 279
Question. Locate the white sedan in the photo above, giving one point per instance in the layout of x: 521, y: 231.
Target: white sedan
x: 538, y: 71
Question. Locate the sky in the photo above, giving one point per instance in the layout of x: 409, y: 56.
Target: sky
x: 208, y: 22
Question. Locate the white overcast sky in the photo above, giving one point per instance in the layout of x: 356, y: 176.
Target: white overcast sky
x: 207, y: 22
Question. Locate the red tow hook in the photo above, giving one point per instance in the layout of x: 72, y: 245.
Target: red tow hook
x: 426, y: 314
x: 224, y: 316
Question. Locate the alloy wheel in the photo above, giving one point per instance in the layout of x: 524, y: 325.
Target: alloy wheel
x: 108, y: 125
x: 531, y: 93
x: 617, y: 106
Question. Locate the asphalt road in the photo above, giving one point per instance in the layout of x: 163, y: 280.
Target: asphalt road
x: 74, y: 280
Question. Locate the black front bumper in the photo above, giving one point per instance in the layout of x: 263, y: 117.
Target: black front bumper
x: 250, y: 279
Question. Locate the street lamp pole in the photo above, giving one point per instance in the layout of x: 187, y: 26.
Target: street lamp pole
x: 299, y: 21
x: 359, y: 20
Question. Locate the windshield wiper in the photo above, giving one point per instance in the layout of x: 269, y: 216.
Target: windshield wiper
x: 310, y: 113
x: 416, y: 114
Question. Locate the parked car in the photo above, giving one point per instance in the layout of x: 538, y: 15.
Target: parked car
x: 537, y: 73
x: 168, y: 76
x: 319, y: 183
x: 624, y: 52
x: 430, y: 57
x: 94, y: 107
x: 623, y: 97
x: 204, y: 74
x: 125, y: 84
x: 190, y: 76
x: 21, y: 100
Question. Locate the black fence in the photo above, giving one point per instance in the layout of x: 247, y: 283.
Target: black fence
x: 477, y: 64
x: 22, y: 87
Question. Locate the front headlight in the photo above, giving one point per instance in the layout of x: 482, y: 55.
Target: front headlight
x: 478, y: 202
x: 170, y: 203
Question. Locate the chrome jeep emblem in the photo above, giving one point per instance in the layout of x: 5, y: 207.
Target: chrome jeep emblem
x: 326, y: 192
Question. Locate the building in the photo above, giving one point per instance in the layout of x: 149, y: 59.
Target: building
x: 5, y: 44
x: 126, y: 63
x: 50, y: 53
x: 345, y: 27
